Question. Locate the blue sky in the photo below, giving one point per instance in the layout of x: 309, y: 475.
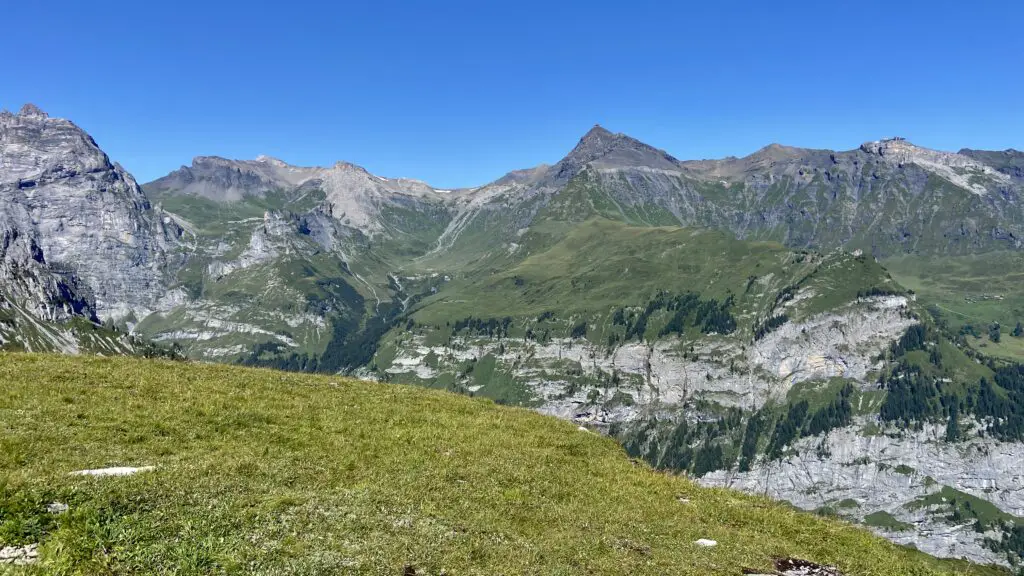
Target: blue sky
x: 458, y: 93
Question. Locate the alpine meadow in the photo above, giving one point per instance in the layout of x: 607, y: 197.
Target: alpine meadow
x: 624, y: 359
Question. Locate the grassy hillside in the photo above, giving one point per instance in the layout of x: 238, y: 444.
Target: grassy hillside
x: 602, y: 264
x: 270, y: 472
x: 971, y: 292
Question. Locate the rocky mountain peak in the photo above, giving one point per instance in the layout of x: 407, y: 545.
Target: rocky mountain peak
x: 889, y: 146
x: 599, y: 142
x: 264, y: 159
x: 902, y: 150
x: 949, y: 165
x: 32, y: 111
x: 525, y: 176
x: 778, y: 152
x: 35, y: 147
x: 344, y: 166
x: 88, y: 217
x: 607, y: 150
x: 595, y: 138
x: 225, y: 180
x: 199, y: 161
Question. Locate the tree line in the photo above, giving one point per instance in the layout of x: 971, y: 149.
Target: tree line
x: 915, y: 395
x: 688, y: 310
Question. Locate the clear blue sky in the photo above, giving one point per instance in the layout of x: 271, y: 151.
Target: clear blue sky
x: 458, y: 93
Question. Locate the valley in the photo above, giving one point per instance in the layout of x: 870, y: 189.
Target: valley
x: 811, y: 325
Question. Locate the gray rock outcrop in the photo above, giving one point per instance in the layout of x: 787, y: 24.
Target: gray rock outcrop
x: 65, y: 206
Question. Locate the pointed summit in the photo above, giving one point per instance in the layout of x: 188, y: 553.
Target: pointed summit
x: 778, y: 153
x: 610, y: 151
x: 594, y: 142
x: 32, y: 111
x: 597, y: 134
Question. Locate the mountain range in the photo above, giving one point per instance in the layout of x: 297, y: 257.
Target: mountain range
x: 790, y: 322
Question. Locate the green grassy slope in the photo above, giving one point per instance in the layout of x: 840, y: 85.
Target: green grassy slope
x: 270, y: 472
x: 599, y: 265
x: 976, y: 290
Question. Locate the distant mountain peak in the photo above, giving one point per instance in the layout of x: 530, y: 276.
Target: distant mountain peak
x: 778, y: 152
x: 895, y: 144
x: 525, y: 175
x: 598, y: 132
x: 200, y: 160
x: 344, y: 166
x: 613, y: 151
x: 264, y: 159
x: 30, y: 110
x: 225, y: 180
x: 901, y: 150
x: 596, y: 141
x: 948, y: 165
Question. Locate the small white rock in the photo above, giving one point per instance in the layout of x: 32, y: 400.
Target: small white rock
x: 706, y: 543
x: 402, y: 523
x: 583, y: 429
x: 19, y: 555
x: 115, y: 471
x: 56, y: 508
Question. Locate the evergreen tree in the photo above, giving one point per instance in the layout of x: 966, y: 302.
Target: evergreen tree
x: 993, y: 332
x: 953, y: 426
x: 755, y: 426
x: 579, y: 330
x: 787, y: 429
x: 709, y: 458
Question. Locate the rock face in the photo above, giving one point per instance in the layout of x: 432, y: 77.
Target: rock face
x: 843, y: 343
x: 605, y: 149
x: 88, y: 218
x: 358, y: 198
x: 956, y: 168
x: 223, y: 180
x: 27, y: 282
x: 1009, y: 162
x: 267, y: 243
x: 19, y: 555
x: 893, y: 472
x: 355, y: 197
